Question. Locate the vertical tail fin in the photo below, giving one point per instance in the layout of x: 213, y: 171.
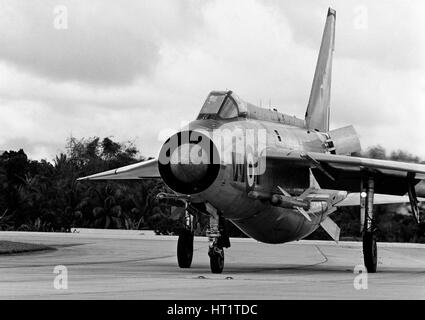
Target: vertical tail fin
x: 317, y: 114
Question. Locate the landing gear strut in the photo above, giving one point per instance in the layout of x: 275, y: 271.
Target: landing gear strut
x: 218, y: 240
x: 185, y: 242
x: 370, y: 250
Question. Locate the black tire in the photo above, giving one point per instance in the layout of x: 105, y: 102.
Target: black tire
x: 185, y: 249
x: 370, y: 252
x: 216, y: 259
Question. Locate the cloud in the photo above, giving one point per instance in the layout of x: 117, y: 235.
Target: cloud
x: 135, y: 69
x: 382, y: 32
x: 104, y: 43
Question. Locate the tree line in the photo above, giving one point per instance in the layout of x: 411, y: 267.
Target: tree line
x: 46, y: 196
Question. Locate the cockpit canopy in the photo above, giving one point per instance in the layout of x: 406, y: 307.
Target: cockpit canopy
x: 221, y: 105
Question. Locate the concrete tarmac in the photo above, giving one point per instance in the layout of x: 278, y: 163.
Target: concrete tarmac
x: 106, y: 264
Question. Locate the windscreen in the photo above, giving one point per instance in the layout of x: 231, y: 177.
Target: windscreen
x: 229, y: 109
x: 213, y: 104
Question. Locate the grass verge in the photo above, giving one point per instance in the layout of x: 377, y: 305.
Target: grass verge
x: 9, y: 247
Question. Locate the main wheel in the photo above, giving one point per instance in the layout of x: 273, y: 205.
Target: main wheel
x: 185, y: 249
x: 370, y: 252
x: 216, y: 259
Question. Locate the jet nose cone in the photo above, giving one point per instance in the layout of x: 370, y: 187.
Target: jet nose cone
x: 189, y: 163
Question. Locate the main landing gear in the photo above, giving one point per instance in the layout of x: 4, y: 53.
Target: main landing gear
x: 370, y: 250
x: 185, y: 242
x: 367, y: 220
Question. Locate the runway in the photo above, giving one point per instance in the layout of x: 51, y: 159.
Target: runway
x: 131, y: 265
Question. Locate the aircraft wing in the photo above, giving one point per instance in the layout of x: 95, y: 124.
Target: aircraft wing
x: 140, y: 170
x: 340, y: 172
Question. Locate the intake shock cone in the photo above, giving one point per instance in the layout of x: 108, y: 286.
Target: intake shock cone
x: 189, y: 162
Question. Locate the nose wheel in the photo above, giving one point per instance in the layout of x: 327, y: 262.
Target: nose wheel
x: 216, y: 259
x: 218, y: 239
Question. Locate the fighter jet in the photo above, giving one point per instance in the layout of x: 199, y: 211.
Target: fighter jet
x: 276, y: 177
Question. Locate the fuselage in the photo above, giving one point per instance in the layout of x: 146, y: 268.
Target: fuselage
x: 260, y: 219
x: 229, y: 191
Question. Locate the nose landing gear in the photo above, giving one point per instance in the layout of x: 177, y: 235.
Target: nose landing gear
x: 218, y: 239
x: 216, y: 255
x: 217, y: 235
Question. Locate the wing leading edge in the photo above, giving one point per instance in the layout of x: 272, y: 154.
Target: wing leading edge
x: 140, y: 170
x: 341, y: 172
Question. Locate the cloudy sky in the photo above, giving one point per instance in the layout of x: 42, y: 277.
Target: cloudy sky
x: 134, y: 70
